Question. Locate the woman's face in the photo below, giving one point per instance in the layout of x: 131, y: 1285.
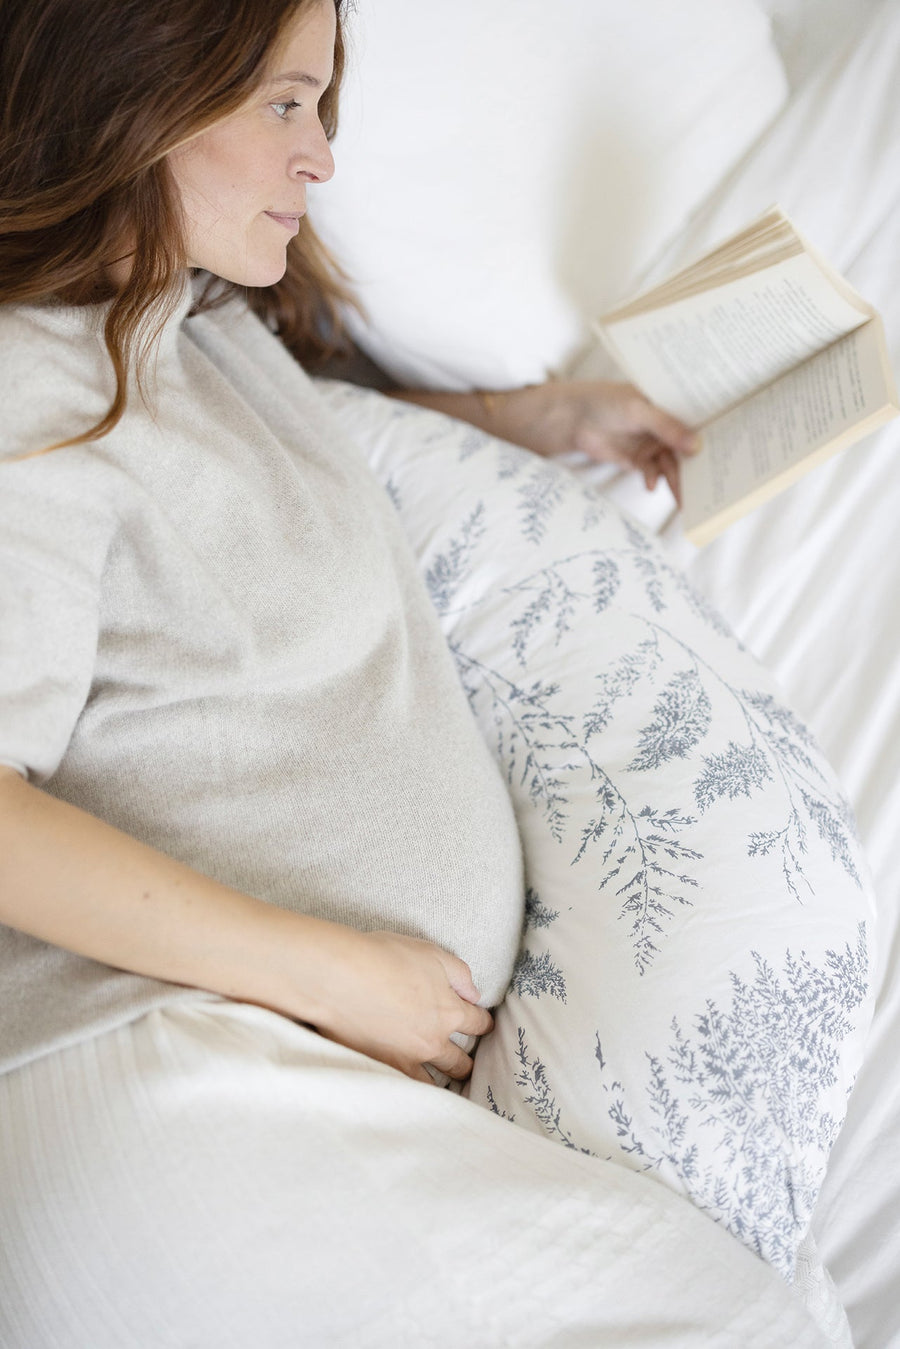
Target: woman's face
x: 243, y: 181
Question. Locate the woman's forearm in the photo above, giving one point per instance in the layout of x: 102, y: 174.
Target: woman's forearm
x: 607, y: 421
x: 70, y: 879
x: 527, y: 416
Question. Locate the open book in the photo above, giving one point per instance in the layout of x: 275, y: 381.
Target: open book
x: 769, y: 352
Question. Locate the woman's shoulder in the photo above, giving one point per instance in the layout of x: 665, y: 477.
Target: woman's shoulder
x: 49, y: 326
x: 45, y: 347
x: 52, y: 373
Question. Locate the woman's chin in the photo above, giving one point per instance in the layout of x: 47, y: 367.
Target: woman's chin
x: 265, y: 276
x: 257, y: 274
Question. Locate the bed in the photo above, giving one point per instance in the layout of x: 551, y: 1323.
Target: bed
x: 523, y: 175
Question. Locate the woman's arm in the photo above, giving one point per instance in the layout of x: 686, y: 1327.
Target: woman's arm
x: 70, y: 879
x: 610, y: 422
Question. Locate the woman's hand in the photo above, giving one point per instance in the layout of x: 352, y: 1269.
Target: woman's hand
x: 397, y: 999
x: 610, y: 422
x: 613, y: 423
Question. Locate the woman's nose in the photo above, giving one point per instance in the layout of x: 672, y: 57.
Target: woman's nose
x: 313, y: 160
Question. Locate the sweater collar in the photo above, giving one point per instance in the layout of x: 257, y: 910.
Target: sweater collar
x: 162, y: 322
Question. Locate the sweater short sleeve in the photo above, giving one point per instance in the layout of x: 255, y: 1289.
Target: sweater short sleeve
x: 54, y: 536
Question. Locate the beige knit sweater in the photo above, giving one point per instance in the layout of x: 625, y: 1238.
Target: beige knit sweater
x: 213, y: 635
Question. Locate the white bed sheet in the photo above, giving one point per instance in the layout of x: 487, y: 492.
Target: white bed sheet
x: 811, y: 581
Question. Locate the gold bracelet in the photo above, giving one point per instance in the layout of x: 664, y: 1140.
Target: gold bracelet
x: 488, y: 401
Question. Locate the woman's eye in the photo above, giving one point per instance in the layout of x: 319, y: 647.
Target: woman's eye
x: 282, y: 109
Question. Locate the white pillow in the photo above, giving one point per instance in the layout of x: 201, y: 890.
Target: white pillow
x: 506, y: 170
x: 692, y: 995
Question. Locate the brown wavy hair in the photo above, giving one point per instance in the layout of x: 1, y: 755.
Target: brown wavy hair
x: 94, y: 94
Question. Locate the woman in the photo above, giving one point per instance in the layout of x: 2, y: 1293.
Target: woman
x: 228, y: 144
x: 251, y: 845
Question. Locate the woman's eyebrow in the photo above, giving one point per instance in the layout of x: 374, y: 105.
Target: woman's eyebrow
x: 298, y: 77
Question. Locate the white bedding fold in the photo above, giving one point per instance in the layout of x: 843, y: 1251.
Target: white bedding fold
x: 370, y: 1210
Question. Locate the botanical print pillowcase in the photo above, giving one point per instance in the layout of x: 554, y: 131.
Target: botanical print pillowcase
x: 691, y: 996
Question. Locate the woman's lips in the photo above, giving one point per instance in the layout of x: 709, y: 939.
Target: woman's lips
x: 290, y: 222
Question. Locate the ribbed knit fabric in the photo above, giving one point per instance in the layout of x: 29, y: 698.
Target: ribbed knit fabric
x: 213, y: 636
x: 214, y: 1177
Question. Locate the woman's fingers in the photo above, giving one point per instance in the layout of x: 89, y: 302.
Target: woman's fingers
x: 450, y: 1059
x: 477, y: 1021
x: 663, y: 465
x: 668, y: 466
x: 459, y: 977
x: 417, y: 1072
x: 672, y: 433
x: 455, y: 1062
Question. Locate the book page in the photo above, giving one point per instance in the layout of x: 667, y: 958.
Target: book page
x: 770, y: 239
x: 777, y: 435
x: 700, y: 356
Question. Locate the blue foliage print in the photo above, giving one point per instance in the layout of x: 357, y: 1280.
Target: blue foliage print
x: 620, y: 680
x: 537, y: 1094
x: 734, y: 1104
x: 607, y: 579
x: 553, y: 600
x: 665, y: 796
x: 643, y: 854
x: 393, y: 492
x: 681, y: 718
x: 536, y: 975
x: 529, y: 736
x: 738, y: 771
x: 473, y: 442
x: 643, y: 850
x: 449, y: 569
x: 647, y: 848
x: 539, y: 495
x: 537, y: 913
x: 645, y: 563
x: 748, y: 1080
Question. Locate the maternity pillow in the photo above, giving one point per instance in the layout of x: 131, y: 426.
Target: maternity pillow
x: 692, y: 993
x: 506, y: 171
